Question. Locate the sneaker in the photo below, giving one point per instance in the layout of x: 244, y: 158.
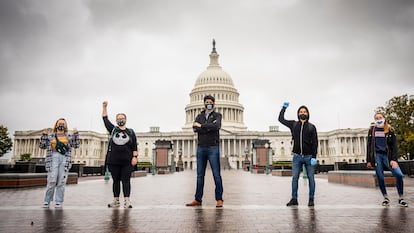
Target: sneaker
x: 292, y: 202
x: 58, y: 205
x: 386, y: 202
x: 311, y: 202
x: 114, y: 203
x: 127, y: 204
x: 402, y: 203
x: 45, y: 205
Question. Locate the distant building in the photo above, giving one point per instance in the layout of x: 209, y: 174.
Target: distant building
x: 341, y: 145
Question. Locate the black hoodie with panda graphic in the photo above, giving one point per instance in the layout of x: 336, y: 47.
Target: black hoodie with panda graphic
x: 305, y: 137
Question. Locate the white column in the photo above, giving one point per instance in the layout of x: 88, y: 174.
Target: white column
x: 190, y: 147
x: 352, y: 146
x: 229, y: 146
x: 222, y: 147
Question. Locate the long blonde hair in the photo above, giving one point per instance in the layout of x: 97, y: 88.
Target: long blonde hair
x: 55, y: 126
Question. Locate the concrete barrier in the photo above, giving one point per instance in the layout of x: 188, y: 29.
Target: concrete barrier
x: 359, y: 178
x: 20, y: 180
x: 138, y: 173
x: 284, y: 172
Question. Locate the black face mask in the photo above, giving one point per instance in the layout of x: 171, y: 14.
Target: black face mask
x: 61, y: 127
x: 121, y: 123
x: 303, y: 116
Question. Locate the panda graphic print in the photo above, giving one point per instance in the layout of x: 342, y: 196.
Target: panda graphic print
x: 122, y: 145
x: 120, y: 138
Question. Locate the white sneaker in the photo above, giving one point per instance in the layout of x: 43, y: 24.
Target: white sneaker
x: 58, y: 205
x: 114, y: 203
x: 45, y: 205
x: 127, y: 204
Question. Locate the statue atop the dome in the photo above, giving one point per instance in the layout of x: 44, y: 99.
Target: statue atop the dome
x: 214, y: 47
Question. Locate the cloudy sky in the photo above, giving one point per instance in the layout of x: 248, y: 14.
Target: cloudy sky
x: 63, y: 58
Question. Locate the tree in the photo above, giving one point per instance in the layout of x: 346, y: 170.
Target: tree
x: 5, y: 141
x: 399, y: 112
x: 25, y: 157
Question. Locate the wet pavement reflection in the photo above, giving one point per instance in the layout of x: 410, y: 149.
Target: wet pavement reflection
x: 120, y: 221
x: 304, y: 221
x: 54, y: 221
x: 208, y: 220
x: 253, y: 203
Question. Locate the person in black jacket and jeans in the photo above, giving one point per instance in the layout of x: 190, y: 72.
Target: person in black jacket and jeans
x: 305, y: 148
x: 207, y: 125
x: 382, y: 152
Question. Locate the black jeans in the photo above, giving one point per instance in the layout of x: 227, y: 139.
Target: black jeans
x: 121, y: 173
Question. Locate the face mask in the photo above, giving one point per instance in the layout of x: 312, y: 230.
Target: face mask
x: 121, y: 123
x: 61, y: 127
x: 303, y: 116
x: 209, y: 106
x: 380, y: 122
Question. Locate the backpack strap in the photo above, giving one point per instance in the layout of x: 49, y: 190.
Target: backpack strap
x: 110, y: 138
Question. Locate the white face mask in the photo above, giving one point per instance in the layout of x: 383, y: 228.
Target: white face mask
x: 380, y: 122
x: 209, y: 106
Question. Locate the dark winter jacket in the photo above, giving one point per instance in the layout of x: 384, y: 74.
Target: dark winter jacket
x: 209, y: 132
x: 391, y: 142
x: 305, y: 137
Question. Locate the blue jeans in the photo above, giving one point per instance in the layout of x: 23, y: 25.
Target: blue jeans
x: 381, y: 163
x: 211, y: 154
x: 297, y: 163
x: 56, y: 179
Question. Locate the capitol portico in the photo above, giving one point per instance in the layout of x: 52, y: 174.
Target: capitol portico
x: 341, y: 145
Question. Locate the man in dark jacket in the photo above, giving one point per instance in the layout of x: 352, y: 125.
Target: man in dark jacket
x: 207, y: 125
x: 305, y: 148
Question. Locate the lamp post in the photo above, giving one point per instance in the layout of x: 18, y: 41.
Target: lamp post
x: 251, y: 162
x: 305, y: 173
x: 106, y: 178
x: 180, y: 159
x: 172, y: 162
x: 153, y: 159
x: 246, y: 159
x: 267, y: 158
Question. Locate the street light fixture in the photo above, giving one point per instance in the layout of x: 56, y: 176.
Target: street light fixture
x: 267, y: 158
x: 153, y: 159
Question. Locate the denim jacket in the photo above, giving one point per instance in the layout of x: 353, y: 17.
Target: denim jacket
x: 46, y: 143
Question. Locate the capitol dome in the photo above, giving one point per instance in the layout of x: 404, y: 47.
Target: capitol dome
x: 218, y: 83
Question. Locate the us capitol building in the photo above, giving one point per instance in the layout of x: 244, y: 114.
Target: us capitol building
x: 341, y: 145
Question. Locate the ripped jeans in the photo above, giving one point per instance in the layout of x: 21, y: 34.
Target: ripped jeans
x: 56, y: 179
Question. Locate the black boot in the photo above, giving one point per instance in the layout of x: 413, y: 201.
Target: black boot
x: 311, y: 202
x: 292, y: 202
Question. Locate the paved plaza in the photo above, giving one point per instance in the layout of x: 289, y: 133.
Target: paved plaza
x: 252, y: 203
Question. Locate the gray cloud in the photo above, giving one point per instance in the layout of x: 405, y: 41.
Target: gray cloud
x: 63, y: 58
